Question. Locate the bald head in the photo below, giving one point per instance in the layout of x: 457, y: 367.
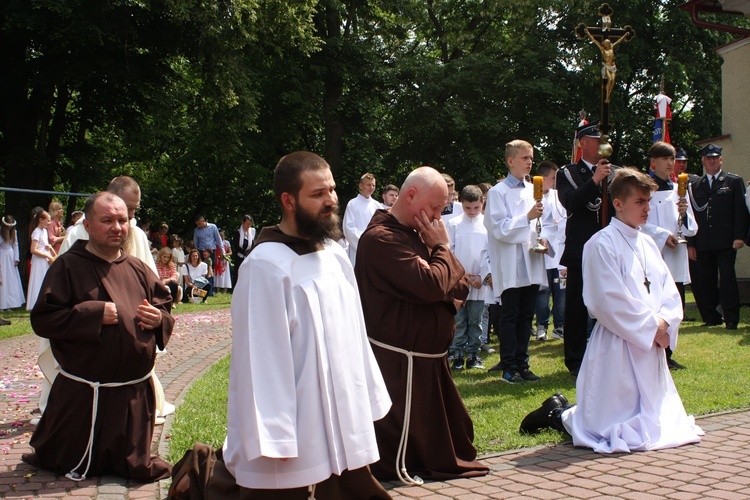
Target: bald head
x: 424, y: 190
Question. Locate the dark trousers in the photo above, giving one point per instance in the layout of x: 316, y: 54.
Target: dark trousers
x: 494, y: 323
x: 717, y: 266
x: 708, y: 315
x: 576, y: 321
x: 236, y: 261
x: 515, y: 326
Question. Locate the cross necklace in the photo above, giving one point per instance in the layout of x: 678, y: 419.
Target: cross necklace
x: 646, y: 282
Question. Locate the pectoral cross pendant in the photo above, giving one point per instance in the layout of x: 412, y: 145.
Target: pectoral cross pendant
x: 647, y: 283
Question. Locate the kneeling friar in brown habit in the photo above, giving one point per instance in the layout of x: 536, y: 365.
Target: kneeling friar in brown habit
x: 411, y: 283
x: 304, y: 386
x: 104, y: 312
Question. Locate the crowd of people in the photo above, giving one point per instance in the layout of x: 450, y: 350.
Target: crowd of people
x: 346, y: 330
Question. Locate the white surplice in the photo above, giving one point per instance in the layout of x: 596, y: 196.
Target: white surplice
x: 357, y: 216
x: 303, y: 383
x: 511, y: 237
x: 627, y: 400
x: 554, y: 220
x: 662, y: 222
x: 468, y: 242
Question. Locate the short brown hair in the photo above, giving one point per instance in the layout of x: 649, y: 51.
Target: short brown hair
x: 661, y: 149
x: 629, y: 179
x: 471, y: 193
x: 286, y: 175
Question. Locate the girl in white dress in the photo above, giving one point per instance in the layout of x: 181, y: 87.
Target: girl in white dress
x: 42, y: 255
x: 223, y: 281
x: 11, y: 289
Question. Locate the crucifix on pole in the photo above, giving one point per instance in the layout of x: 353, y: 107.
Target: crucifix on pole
x: 606, y: 39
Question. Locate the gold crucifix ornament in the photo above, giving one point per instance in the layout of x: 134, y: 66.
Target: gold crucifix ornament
x: 606, y: 39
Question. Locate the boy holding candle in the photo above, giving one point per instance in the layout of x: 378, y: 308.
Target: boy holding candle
x: 627, y: 400
x: 671, y: 218
x: 513, y: 207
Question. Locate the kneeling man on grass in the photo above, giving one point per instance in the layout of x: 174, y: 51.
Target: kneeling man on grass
x: 304, y: 386
x: 627, y: 400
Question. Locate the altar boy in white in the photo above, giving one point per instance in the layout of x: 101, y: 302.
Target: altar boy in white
x: 517, y: 271
x: 664, y: 222
x: 627, y: 400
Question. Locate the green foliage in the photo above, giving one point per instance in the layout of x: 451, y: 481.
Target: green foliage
x: 198, y: 100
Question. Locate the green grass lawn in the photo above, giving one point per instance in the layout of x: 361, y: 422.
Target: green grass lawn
x: 20, y: 324
x: 716, y: 379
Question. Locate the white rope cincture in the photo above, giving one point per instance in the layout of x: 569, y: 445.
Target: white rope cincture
x: 73, y: 475
x: 311, y: 492
x: 401, y: 472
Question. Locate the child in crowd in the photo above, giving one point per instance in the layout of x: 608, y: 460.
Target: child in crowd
x: 42, y: 255
x: 11, y: 289
x: 553, y: 221
x: 517, y: 270
x: 468, y: 241
x: 627, y: 400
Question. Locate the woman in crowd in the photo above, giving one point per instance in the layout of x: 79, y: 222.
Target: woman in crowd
x: 11, y: 290
x: 42, y: 255
x: 223, y: 280
x: 196, y: 275
x: 169, y: 275
x: 56, y: 229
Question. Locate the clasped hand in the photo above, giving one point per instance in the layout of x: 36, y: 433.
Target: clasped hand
x: 148, y: 316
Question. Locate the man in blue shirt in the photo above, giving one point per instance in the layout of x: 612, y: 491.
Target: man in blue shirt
x: 206, y: 238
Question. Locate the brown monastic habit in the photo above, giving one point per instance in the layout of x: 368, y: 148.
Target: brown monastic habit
x: 411, y: 307
x: 69, y: 313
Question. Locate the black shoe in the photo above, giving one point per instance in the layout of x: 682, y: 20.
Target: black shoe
x: 458, y: 363
x: 541, y: 417
x: 474, y: 361
x: 730, y: 326
x: 674, y: 365
x: 529, y: 376
x: 713, y: 323
x: 512, y: 377
x: 496, y: 368
x: 4, y: 322
x: 688, y: 318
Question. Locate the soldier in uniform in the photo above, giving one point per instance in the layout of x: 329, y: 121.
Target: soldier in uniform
x: 579, y: 190
x: 719, y: 205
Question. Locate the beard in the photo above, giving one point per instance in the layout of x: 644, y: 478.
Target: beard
x: 319, y: 227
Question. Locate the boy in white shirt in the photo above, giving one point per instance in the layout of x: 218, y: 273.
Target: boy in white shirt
x: 468, y: 242
x: 517, y: 270
x: 358, y: 213
x: 666, y: 210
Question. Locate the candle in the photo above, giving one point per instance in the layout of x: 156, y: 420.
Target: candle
x: 538, y: 187
x: 682, y: 181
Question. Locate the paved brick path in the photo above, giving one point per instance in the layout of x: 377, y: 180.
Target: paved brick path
x: 718, y: 467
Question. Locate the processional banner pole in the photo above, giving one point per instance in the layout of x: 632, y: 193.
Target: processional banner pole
x: 606, y: 38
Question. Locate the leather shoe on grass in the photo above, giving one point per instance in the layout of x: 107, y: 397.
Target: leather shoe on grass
x: 541, y: 417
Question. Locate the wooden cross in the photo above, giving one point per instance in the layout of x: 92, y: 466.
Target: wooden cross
x: 606, y: 39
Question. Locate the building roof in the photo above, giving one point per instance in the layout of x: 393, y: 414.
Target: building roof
x: 732, y: 7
